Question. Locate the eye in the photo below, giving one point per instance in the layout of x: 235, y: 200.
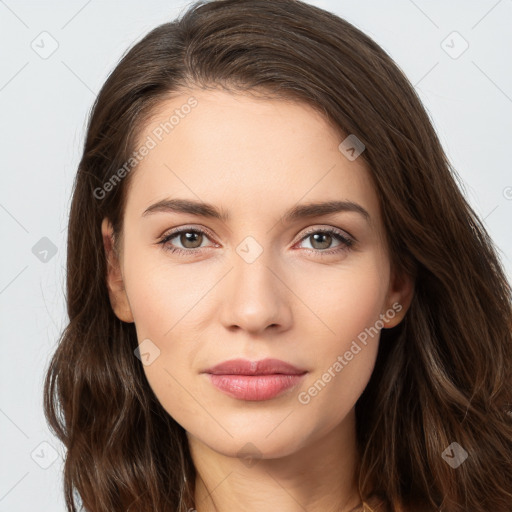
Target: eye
x: 190, y: 239
x: 321, y: 241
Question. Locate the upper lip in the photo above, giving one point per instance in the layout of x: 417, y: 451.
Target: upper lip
x: 262, y: 367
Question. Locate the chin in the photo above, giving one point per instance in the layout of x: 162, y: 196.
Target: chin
x: 255, y: 443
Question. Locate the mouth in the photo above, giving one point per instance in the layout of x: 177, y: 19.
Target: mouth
x: 254, y: 380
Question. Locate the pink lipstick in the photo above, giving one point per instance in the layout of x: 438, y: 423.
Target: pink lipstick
x: 254, y: 380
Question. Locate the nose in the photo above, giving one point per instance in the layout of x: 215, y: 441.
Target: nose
x: 255, y: 297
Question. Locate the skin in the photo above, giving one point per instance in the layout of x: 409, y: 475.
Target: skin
x: 256, y: 158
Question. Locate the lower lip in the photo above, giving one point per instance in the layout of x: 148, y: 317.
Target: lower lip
x: 254, y: 387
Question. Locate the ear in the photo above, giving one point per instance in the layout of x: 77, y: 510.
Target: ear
x: 399, y: 298
x: 115, y: 284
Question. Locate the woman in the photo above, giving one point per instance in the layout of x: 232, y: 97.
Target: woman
x: 278, y: 296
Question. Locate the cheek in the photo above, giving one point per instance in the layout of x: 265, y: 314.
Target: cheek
x: 162, y: 295
x: 346, y: 333
x: 341, y: 303
x: 165, y: 303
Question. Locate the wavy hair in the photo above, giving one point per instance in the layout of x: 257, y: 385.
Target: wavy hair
x: 443, y: 375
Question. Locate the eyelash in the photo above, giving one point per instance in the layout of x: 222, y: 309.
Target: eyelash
x: 347, y: 243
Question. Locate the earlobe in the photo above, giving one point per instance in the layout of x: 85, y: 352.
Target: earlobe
x: 399, y: 299
x: 114, y: 278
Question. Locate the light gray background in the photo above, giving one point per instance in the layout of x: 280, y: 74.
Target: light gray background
x: 44, y: 104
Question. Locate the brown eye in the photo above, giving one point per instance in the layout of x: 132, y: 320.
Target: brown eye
x: 191, y: 239
x: 185, y: 241
x: 321, y: 240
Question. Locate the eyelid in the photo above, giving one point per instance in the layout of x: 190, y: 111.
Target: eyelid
x: 324, y: 227
x: 180, y: 229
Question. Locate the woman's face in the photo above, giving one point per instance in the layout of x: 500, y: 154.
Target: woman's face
x: 257, y: 283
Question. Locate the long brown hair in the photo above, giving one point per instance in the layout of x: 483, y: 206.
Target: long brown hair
x: 443, y: 375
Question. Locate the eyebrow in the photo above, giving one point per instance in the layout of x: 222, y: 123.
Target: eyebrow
x: 307, y: 210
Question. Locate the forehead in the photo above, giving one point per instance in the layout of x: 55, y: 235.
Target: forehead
x: 240, y: 151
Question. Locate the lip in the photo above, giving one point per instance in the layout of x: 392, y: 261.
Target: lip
x: 262, y: 367
x: 254, y: 380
